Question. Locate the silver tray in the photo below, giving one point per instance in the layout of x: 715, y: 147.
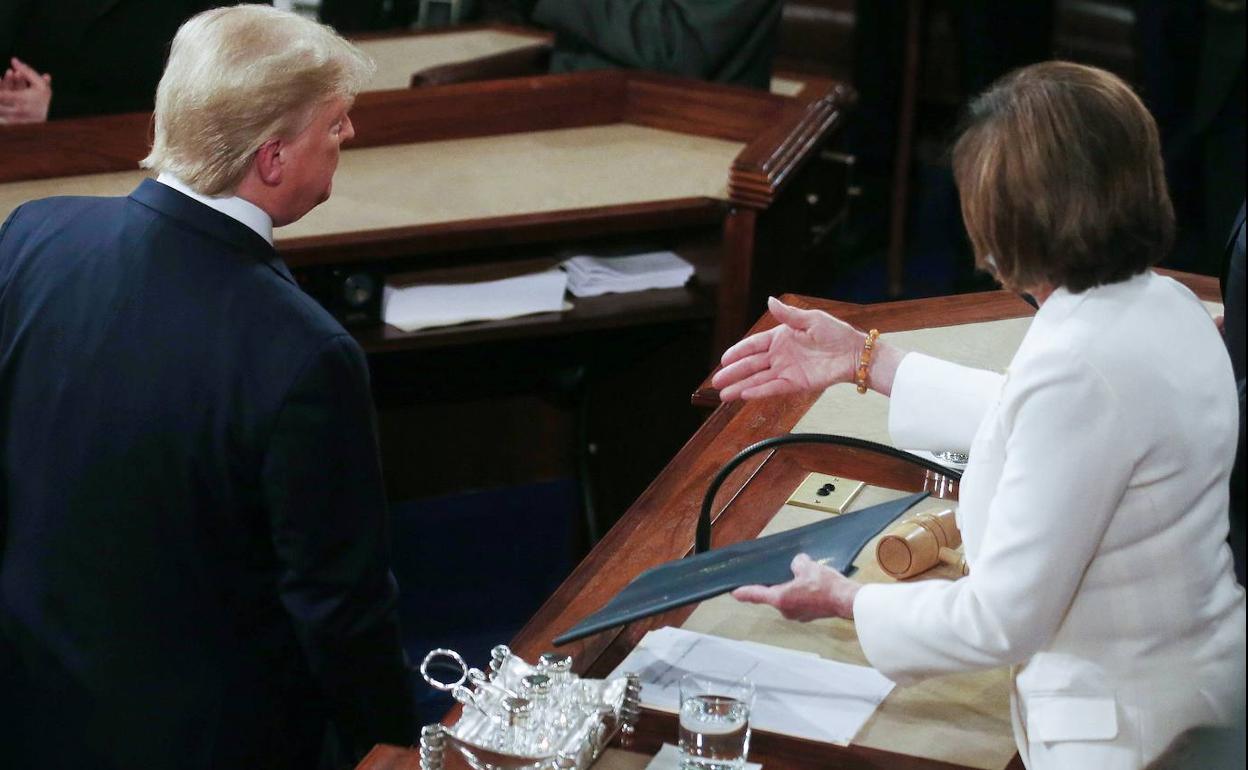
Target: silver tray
x: 603, y: 709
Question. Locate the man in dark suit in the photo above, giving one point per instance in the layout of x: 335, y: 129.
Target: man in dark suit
x: 100, y: 56
x: 727, y: 41
x: 193, y: 550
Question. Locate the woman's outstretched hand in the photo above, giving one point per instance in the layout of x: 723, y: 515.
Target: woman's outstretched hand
x: 808, y: 350
x: 814, y: 592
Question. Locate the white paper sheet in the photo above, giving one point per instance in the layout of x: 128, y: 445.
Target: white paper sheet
x: 796, y: 693
x: 590, y: 276
x: 668, y: 758
x: 424, y: 306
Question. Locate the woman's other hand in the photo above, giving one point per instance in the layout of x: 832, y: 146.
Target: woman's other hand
x: 814, y: 592
x: 809, y: 349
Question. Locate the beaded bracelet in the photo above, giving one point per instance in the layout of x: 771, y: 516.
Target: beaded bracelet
x: 864, y: 360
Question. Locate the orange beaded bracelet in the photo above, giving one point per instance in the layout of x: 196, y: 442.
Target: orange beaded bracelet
x: 864, y: 360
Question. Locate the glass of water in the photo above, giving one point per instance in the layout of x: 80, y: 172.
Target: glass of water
x: 714, y: 721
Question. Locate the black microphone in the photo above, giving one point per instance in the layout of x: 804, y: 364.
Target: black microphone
x: 702, y: 539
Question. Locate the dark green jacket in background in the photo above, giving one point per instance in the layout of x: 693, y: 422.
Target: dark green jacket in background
x: 727, y: 41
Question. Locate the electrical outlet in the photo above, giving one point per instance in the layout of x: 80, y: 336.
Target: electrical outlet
x: 829, y: 494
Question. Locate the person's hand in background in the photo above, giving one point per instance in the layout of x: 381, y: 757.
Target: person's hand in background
x: 24, y: 94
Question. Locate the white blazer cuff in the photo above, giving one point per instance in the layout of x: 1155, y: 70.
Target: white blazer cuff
x: 938, y: 405
x: 873, y: 619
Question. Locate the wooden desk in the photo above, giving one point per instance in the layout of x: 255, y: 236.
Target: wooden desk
x: 401, y: 55
x: 718, y: 174
x: 720, y: 164
x: 660, y: 524
x: 494, y: 51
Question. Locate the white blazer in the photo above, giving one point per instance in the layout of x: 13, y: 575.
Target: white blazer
x: 1094, y: 516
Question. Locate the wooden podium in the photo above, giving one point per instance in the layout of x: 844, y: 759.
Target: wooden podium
x: 660, y: 527
x: 501, y: 172
x: 712, y: 172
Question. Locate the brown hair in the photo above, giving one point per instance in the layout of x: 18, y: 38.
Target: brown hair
x: 1060, y: 175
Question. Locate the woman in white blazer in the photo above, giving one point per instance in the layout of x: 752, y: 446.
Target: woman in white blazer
x: 1094, y: 505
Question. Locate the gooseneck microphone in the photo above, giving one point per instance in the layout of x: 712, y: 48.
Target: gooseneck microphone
x: 702, y: 538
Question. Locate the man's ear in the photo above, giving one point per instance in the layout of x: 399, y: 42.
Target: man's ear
x: 269, y: 162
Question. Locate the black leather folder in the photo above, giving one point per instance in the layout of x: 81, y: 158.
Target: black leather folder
x: 763, y: 561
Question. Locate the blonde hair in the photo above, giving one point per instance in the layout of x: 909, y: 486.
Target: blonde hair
x: 237, y: 77
x: 1061, y: 179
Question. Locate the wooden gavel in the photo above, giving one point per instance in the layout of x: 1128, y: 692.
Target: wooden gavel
x: 916, y: 545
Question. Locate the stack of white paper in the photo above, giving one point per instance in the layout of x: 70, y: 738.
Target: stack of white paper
x: 591, y: 276
x: 422, y: 306
x: 796, y: 693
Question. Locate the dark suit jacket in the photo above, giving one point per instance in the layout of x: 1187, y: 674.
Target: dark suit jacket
x: 727, y: 41
x: 104, y: 56
x: 194, y: 571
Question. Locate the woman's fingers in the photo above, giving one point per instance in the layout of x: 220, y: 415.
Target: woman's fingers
x: 794, y: 317
x: 765, y: 383
x: 755, y: 343
x: 802, y: 565
x: 806, y: 597
x: 739, y: 370
x: 773, y: 387
x: 757, y: 594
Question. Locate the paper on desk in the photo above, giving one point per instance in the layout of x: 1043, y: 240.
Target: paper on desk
x: 421, y: 306
x: 591, y: 276
x: 796, y: 693
x: 668, y: 758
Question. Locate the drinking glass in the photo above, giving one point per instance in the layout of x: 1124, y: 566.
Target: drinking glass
x: 714, y: 721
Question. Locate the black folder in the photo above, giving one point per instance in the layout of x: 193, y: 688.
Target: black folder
x: 763, y: 561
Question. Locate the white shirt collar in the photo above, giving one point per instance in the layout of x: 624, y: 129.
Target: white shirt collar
x: 231, y: 205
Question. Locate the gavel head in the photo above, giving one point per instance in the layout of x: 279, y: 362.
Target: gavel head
x: 914, y: 546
